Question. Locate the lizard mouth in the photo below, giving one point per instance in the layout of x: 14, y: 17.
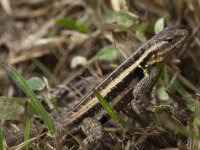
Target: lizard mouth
x: 183, y: 36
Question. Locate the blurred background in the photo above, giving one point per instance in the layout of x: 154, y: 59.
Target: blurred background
x: 76, y: 43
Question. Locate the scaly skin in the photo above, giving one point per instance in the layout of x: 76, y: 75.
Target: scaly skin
x: 139, y: 71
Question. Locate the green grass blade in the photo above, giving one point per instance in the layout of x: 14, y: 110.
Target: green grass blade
x: 21, y: 83
x: 27, y: 131
x: 109, y: 109
x: 1, y: 137
x: 184, y: 131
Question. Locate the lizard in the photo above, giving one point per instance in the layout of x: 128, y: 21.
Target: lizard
x: 138, y: 73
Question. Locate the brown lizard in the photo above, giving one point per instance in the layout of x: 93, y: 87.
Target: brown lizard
x: 139, y: 72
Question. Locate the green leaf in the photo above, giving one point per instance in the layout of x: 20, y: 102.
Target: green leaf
x: 159, y: 25
x: 73, y: 25
x: 124, y: 19
x: 141, y: 30
x: 120, y: 18
x: 82, y: 28
x: 67, y: 23
x: 110, y: 17
x: 22, y: 84
x: 36, y: 83
x: 162, y: 94
x: 108, y: 53
x: 141, y: 35
x: 109, y: 109
x: 9, y: 110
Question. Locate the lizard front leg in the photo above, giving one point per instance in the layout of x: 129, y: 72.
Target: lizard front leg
x: 142, y: 90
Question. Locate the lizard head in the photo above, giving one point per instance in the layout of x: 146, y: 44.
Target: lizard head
x: 165, y: 43
x: 171, y: 37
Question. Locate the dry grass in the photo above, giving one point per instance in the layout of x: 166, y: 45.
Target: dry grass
x: 32, y: 42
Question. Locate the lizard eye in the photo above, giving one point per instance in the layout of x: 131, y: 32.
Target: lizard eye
x: 169, y: 40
